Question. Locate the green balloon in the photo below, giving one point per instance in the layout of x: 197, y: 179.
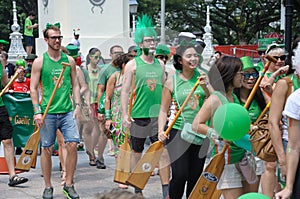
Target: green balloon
x: 231, y: 121
x: 253, y: 195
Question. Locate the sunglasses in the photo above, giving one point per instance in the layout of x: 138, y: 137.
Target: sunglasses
x: 261, y: 52
x: 282, y: 57
x: 248, y: 75
x: 96, y: 57
x: 56, y: 37
x: 162, y: 57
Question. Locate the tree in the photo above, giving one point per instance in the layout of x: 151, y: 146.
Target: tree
x: 6, y: 15
x: 233, y: 22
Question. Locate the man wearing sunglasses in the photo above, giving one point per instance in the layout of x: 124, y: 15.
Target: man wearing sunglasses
x: 45, y: 72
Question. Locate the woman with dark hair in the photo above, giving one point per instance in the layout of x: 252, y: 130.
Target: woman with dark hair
x: 91, y: 128
x: 225, y: 76
x: 113, y: 114
x: 186, y: 164
x: 255, y: 108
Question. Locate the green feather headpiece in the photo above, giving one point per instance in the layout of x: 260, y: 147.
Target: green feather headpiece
x: 144, y: 28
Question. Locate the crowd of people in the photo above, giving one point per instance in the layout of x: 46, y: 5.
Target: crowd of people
x: 90, y: 109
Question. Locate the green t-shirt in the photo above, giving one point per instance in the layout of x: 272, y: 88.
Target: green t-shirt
x: 181, y: 88
x: 27, y: 31
x: 1, y: 76
x: 253, y: 110
x: 148, y: 83
x: 62, y: 101
x: 106, y: 71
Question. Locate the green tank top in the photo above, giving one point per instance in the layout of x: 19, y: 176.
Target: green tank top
x: 62, y: 101
x: 1, y: 75
x: 148, y: 83
x: 93, y: 87
x: 296, y: 83
x: 181, y: 88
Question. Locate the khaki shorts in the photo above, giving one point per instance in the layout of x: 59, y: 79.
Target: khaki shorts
x: 230, y: 178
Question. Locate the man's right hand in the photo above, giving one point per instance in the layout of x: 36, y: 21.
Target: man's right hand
x: 38, y: 120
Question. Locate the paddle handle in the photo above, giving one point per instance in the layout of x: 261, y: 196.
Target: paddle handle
x: 55, y: 88
x: 263, y: 112
x: 9, y: 83
x: 251, y: 96
x: 182, y: 107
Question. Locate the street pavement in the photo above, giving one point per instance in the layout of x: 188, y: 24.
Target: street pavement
x: 88, y: 181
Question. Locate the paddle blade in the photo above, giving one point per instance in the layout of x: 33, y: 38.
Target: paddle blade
x: 142, y: 171
x: 206, y: 184
x: 122, y: 170
x: 28, y: 156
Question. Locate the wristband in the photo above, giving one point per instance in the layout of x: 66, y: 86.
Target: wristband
x: 37, y: 109
x: 211, y: 133
x: 107, y: 114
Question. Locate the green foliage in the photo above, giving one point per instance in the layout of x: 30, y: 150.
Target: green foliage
x: 233, y: 22
x: 6, y: 15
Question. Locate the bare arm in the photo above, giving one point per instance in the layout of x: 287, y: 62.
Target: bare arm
x: 109, y: 94
x: 4, y: 75
x: 84, y: 87
x: 128, y: 75
x: 292, y: 157
x: 275, y: 115
x: 206, y: 112
x: 75, y: 86
x: 164, y: 108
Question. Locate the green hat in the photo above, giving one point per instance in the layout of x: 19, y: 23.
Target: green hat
x: 247, y: 63
x: 31, y: 57
x: 21, y: 62
x: 265, y: 42
x: 4, y: 42
x: 73, y: 50
x: 162, y: 49
x: 144, y: 28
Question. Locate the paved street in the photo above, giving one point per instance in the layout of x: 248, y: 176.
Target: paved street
x: 88, y: 181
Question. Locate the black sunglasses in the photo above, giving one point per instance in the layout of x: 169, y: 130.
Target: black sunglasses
x: 282, y: 57
x: 248, y: 75
x: 162, y: 57
x: 261, y: 52
x: 56, y: 37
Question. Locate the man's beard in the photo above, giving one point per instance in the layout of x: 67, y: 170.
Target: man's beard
x: 148, y: 51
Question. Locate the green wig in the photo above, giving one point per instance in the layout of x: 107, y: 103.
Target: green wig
x: 144, y: 28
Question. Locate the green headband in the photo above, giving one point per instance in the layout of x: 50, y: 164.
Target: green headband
x: 49, y: 25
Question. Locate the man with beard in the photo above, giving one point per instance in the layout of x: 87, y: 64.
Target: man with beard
x: 45, y: 72
x: 148, y: 82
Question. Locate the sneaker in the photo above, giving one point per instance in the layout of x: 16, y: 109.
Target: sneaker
x: 138, y: 191
x: 15, y: 180
x: 48, y: 193
x: 100, y: 164
x: 70, y: 192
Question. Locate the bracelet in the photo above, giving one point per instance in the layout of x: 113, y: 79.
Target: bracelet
x: 37, y: 109
x: 211, y: 133
x: 107, y: 114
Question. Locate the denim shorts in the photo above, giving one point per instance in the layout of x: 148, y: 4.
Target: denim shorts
x: 65, y: 123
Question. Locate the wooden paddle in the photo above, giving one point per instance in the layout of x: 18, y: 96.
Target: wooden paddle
x: 122, y: 170
x: 142, y: 171
x: 28, y: 157
x: 9, y: 83
x: 257, y: 83
x: 206, y: 184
